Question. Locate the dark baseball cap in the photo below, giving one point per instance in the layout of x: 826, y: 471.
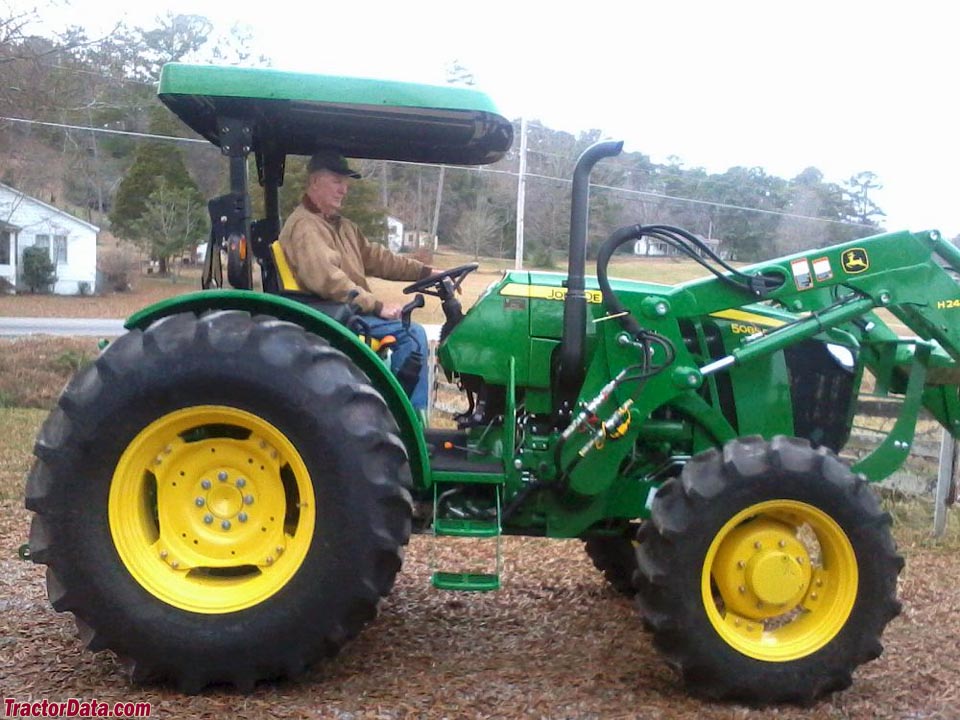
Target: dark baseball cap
x: 333, y: 161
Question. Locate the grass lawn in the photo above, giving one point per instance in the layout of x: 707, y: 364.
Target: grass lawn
x: 20, y: 426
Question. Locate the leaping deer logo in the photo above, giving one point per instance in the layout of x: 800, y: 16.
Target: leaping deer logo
x: 855, y: 260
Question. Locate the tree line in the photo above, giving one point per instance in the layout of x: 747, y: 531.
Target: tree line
x: 152, y: 192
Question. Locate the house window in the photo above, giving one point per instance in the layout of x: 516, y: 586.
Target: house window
x: 59, y: 254
x: 4, y: 247
x: 42, y: 241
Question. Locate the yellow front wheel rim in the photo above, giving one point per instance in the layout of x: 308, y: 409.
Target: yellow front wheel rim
x: 779, y: 580
x: 211, y: 509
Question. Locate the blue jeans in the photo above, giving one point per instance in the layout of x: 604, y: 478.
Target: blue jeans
x: 408, y: 341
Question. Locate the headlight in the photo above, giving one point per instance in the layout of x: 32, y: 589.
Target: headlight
x: 842, y: 355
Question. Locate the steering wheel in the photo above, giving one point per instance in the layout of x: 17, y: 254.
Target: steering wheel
x: 442, y: 284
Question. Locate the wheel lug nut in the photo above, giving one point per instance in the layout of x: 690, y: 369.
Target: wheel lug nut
x: 205, y: 484
x: 208, y: 519
x: 782, y: 543
x: 242, y: 517
x: 279, y: 550
x: 742, y: 589
x: 200, y: 502
x: 225, y: 524
x: 248, y: 499
x: 163, y: 554
x: 269, y: 560
x: 757, y: 545
x: 241, y: 482
x: 174, y: 564
x: 741, y: 564
x: 222, y: 476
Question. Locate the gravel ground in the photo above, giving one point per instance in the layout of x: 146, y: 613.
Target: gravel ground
x: 555, y: 643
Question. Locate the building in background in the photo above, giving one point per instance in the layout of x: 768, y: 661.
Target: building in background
x: 72, y: 242
x: 414, y: 240
x: 394, y: 234
x: 655, y: 247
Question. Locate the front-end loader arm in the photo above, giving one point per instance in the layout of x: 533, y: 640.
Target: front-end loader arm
x: 911, y: 276
x: 836, y: 290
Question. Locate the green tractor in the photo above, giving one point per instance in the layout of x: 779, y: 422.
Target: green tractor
x: 225, y: 494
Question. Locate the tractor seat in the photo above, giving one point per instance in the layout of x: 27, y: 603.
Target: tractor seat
x: 289, y: 287
x: 287, y: 280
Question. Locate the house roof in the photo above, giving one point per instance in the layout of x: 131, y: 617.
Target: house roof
x: 51, y: 208
x: 7, y: 226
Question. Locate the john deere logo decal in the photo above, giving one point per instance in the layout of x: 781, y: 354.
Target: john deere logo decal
x: 855, y: 261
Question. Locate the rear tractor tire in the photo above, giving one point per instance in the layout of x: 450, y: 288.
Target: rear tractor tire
x: 767, y: 572
x: 616, y: 557
x: 220, y: 499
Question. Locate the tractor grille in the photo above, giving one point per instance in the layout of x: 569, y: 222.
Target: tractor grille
x: 822, y: 393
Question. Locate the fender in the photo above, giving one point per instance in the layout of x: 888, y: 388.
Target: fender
x: 257, y: 303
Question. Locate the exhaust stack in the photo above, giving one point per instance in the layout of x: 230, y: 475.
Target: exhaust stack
x: 571, y: 371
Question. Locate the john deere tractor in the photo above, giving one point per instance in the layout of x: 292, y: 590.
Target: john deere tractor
x: 225, y: 494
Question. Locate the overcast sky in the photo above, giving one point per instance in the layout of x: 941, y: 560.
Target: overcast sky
x: 843, y: 86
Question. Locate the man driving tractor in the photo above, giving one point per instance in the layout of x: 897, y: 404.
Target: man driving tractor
x: 331, y: 257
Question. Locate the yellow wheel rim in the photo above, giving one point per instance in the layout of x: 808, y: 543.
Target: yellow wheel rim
x: 211, y: 509
x: 779, y: 580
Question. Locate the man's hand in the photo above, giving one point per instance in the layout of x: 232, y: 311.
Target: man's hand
x: 391, y: 312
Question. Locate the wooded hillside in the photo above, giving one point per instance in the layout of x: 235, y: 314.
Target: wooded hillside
x: 66, y: 102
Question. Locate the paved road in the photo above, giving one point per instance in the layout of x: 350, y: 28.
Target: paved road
x: 76, y: 327
x: 91, y: 327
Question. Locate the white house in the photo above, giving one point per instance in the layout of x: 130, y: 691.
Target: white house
x: 394, y: 233
x: 72, y: 243
x: 415, y: 239
x: 655, y: 247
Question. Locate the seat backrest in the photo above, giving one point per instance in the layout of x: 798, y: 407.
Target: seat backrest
x: 342, y: 312
x: 285, y: 275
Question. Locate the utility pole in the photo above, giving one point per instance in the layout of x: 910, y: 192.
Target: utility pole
x: 521, y: 191
x: 436, y: 207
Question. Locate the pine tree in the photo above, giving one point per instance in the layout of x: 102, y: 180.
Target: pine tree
x: 156, y: 163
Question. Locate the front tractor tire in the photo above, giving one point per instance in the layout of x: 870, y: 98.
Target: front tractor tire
x: 767, y: 572
x: 219, y: 499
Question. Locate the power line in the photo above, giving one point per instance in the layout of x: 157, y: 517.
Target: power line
x: 675, y: 198
x: 730, y: 207
x: 105, y: 131
x: 625, y: 191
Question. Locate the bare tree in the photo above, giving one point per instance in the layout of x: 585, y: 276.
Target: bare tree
x: 479, y: 230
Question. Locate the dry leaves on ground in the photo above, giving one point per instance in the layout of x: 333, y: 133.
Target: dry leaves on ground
x: 555, y: 643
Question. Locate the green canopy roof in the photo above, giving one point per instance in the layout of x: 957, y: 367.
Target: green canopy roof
x: 296, y: 113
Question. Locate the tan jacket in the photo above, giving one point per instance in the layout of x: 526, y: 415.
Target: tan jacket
x: 333, y: 258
